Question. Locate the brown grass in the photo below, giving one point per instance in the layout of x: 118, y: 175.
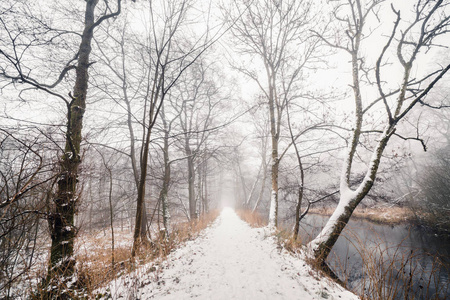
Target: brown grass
x: 95, y: 269
x: 284, y: 237
x: 94, y: 262
x: 189, y: 230
x: 381, y: 215
x: 254, y: 219
x: 286, y: 240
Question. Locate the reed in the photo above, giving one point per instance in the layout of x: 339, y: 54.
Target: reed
x: 393, y: 272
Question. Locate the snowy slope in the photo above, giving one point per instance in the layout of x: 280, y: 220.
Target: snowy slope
x: 230, y: 260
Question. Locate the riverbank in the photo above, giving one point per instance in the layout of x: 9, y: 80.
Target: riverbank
x: 391, y: 216
x: 379, y: 215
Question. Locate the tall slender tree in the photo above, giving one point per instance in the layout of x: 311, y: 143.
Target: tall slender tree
x: 277, y: 33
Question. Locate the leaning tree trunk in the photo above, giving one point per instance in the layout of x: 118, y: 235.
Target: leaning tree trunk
x: 321, y: 246
x: 263, y: 185
x: 298, y: 207
x: 252, y: 191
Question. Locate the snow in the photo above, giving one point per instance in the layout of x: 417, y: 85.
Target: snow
x: 230, y: 260
x: 346, y: 196
x: 346, y: 193
x: 272, y: 211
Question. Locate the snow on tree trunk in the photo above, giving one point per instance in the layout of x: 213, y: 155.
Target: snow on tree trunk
x: 273, y: 210
x: 166, y: 179
x: 433, y: 22
x: 349, y: 199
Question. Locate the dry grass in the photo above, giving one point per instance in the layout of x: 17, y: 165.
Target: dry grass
x: 380, y: 215
x: 190, y: 230
x: 286, y: 240
x: 254, y: 219
x: 385, y: 215
x: 96, y: 269
x: 395, y: 272
x: 94, y: 255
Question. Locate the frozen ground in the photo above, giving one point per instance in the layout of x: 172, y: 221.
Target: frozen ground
x: 230, y: 260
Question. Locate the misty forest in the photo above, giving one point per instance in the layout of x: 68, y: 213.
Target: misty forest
x: 229, y: 149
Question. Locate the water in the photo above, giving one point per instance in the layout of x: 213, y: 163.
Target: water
x: 400, y: 256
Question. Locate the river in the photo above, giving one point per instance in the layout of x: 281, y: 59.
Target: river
x: 388, y: 262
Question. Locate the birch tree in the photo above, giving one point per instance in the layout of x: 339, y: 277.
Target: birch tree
x: 272, y: 31
x: 411, y: 36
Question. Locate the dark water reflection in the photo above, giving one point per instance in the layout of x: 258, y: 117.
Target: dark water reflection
x: 398, y: 255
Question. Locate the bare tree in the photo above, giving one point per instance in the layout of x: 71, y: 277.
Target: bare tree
x: 25, y: 176
x: 262, y: 130
x: 167, y: 50
x: 196, y: 103
x: 15, y: 51
x: 273, y: 31
x: 409, y: 38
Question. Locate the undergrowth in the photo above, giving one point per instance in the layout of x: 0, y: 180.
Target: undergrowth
x: 95, y: 268
x: 254, y: 219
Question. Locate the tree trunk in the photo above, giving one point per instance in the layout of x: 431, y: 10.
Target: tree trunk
x: 142, y: 232
x: 205, y: 185
x: 321, y: 246
x: 111, y: 214
x: 274, y: 112
x: 63, y: 232
x: 298, y: 207
x: 139, y: 236
x: 252, y: 191
x: 191, y: 184
x: 199, y: 199
x: 242, y: 180
x: 166, y: 181
x: 263, y: 185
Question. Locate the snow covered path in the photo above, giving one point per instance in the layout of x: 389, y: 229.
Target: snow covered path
x: 230, y: 260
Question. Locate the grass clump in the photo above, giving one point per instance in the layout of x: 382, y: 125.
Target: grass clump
x: 254, y: 219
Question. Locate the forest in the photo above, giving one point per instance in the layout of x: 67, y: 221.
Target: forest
x: 131, y: 124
